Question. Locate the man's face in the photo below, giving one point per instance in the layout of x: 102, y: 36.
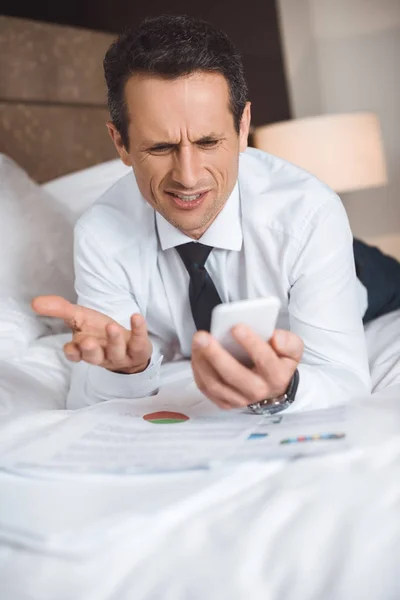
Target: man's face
x: 184, y: 148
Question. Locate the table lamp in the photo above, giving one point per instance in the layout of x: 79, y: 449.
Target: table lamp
x: 345, y: 151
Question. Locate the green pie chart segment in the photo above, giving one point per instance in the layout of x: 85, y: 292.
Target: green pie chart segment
x: 165, y: 417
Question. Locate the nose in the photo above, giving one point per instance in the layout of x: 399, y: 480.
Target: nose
x: 187, y: 167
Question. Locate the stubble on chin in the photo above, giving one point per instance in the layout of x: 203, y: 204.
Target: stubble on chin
x: 203, y: 223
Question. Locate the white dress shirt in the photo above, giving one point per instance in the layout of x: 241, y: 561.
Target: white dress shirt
x: 282, y: 232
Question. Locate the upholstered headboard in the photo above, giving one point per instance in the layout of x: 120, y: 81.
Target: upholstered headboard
x: 52, y: 97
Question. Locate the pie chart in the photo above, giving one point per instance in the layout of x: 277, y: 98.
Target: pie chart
x: 165, y: 417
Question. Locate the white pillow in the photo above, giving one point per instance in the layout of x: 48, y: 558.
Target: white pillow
x: 19, y: 326
x: 79, y: 190
x: 36, y: 238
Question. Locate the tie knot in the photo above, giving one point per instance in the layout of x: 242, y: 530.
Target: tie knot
x: 194, y: 254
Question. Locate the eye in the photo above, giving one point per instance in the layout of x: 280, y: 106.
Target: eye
x: 161, y: 149
x: 208, y: 143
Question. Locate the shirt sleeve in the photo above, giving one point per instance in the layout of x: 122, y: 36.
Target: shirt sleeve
x: 101, y: 284
x: 324, y: 310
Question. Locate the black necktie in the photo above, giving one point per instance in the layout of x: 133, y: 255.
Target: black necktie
x: 203, y: 295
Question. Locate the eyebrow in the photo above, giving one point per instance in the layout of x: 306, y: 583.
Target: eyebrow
x: 211, y: 137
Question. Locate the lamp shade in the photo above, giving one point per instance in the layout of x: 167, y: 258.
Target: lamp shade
x: 345, y: 151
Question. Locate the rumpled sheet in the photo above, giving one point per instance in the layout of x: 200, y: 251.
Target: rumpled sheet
x: 317, y: 528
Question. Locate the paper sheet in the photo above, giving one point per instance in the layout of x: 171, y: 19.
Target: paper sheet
x: 176, y: 430
x: 296, y: 434
x: 119, y: 446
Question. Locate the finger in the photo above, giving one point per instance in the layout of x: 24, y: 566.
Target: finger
x: 241, y: 381
x: 116, y: 350
x: 200, y: 385
x: 267, y: 363
x: 91, y: 351
x: 263, y: 356
x: 287, y: 345
x: 139, y: 345
x: 72, y: 352
x: 55, y: 306
x: 210, y: 385
x: 246, y: 382
x: 80, y: 337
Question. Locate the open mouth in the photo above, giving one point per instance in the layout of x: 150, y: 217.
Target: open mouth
x: 187, y: 201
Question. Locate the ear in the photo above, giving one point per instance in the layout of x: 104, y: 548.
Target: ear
x: 118, y: 143
x: 244, y: 127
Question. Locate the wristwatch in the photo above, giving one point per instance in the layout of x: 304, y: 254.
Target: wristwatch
x: 275, y: 405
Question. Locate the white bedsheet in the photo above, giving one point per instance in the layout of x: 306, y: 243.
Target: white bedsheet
x: 323, y: 528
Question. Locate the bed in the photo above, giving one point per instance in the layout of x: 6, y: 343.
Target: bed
x: 325, y: 527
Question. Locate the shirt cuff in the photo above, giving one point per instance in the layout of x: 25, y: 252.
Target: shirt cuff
x: 107, y: 385
x: 327, y: 386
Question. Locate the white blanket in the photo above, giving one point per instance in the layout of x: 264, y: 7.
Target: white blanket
x: 323, y: 528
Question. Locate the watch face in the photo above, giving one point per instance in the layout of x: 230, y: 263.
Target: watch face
x: 260, y: 408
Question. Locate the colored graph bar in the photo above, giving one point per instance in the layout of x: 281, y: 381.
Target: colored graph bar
x: 313, y: 438
x: 165, y: 417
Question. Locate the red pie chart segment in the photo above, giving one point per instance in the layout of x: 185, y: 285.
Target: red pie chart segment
x: 165, y: 417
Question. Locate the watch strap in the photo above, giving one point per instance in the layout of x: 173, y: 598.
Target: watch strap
x: 274, y: 405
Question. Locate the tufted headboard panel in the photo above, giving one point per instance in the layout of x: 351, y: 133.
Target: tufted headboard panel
x: 52, y: 97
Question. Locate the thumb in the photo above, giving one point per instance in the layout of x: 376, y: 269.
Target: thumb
x: 55, y: 306
x: 287, y: 345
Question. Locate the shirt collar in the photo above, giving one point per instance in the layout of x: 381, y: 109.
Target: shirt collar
x: 224, y: 232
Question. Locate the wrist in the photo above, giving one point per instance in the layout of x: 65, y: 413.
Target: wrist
x: 278, y: 403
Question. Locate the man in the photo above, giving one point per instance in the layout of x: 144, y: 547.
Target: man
x: 200, y: 207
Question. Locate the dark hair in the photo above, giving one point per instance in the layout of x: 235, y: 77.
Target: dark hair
x: 171, y: 46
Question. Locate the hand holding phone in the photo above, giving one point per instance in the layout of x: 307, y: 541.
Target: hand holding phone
x: 259, y: 314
